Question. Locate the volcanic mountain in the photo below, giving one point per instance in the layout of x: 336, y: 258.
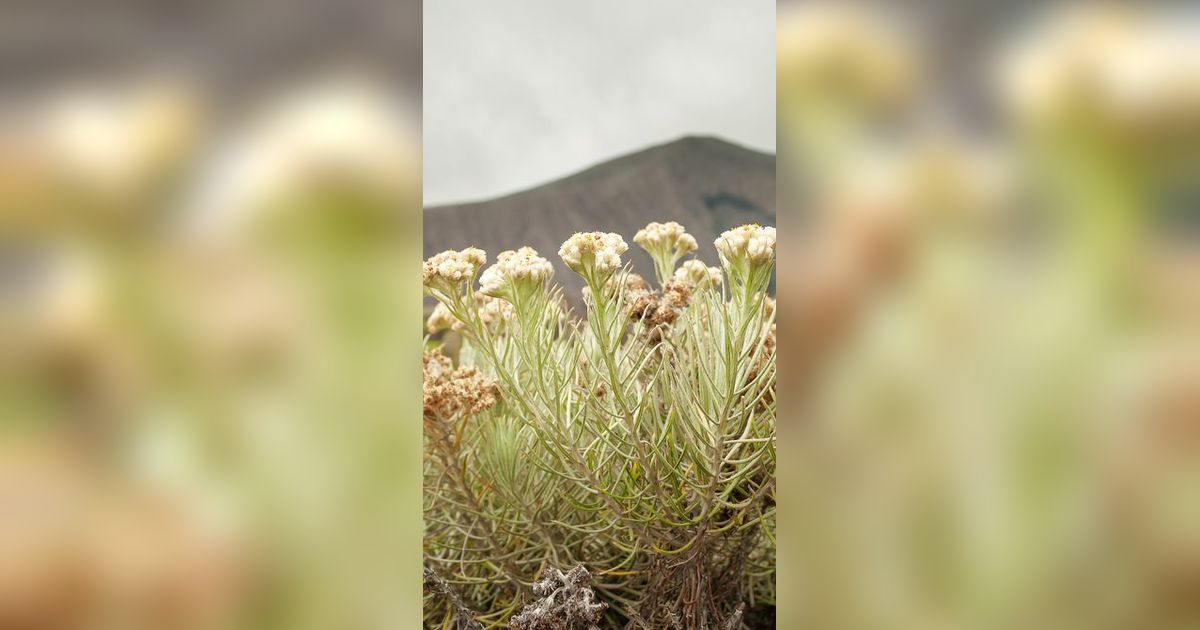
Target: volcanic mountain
x: 707, y: 184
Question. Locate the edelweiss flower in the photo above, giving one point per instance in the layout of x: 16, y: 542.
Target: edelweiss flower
x: 697, y: 274
x: 449, y: 269
x: 666, y: 243
x: 751, y: 244
x: 665, y: 237
x: 593, y: 252
x: 520, y: 268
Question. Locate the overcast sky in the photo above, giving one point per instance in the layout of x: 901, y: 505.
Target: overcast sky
x: 519, y: 92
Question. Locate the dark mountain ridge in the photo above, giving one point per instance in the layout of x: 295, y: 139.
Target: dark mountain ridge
x: 707, y: 184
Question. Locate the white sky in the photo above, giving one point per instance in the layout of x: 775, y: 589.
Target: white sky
x: 520, y: 92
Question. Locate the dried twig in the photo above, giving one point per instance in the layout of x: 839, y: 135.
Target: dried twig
x: 464, y: 617
x: 567, y: 602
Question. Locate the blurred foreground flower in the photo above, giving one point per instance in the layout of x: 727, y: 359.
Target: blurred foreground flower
x: 1118, y: 69
x: 831, y: 54
x: 110, y: 140
x: 83, y: 550
x: 185, y: 332
x: 339, y: 131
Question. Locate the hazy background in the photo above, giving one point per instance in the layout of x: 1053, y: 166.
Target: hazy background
x: 209, y: 299
x: 988, y: 310
x: 520, y: 93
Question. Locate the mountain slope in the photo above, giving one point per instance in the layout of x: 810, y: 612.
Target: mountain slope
x: 705, y: 183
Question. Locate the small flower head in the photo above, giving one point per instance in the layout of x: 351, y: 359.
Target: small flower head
x: 667, y: 237
x: 752, y: 245
x: 441, y: 319
x: 698, y: 275
x: 514, y: 272
x: 666, y: 243
x: 593, y: 253
x: 450, y: 269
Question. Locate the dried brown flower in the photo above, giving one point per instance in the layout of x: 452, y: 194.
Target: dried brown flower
x: 455, y: 391
x: 661, y: 310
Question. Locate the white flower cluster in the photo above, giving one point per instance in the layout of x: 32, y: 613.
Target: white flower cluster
x: 665, y: 237
x: 598, y: 251
x: 521, y: 267
x: 451, y: 268
x: 748, y: 243
x: 696, y: 274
